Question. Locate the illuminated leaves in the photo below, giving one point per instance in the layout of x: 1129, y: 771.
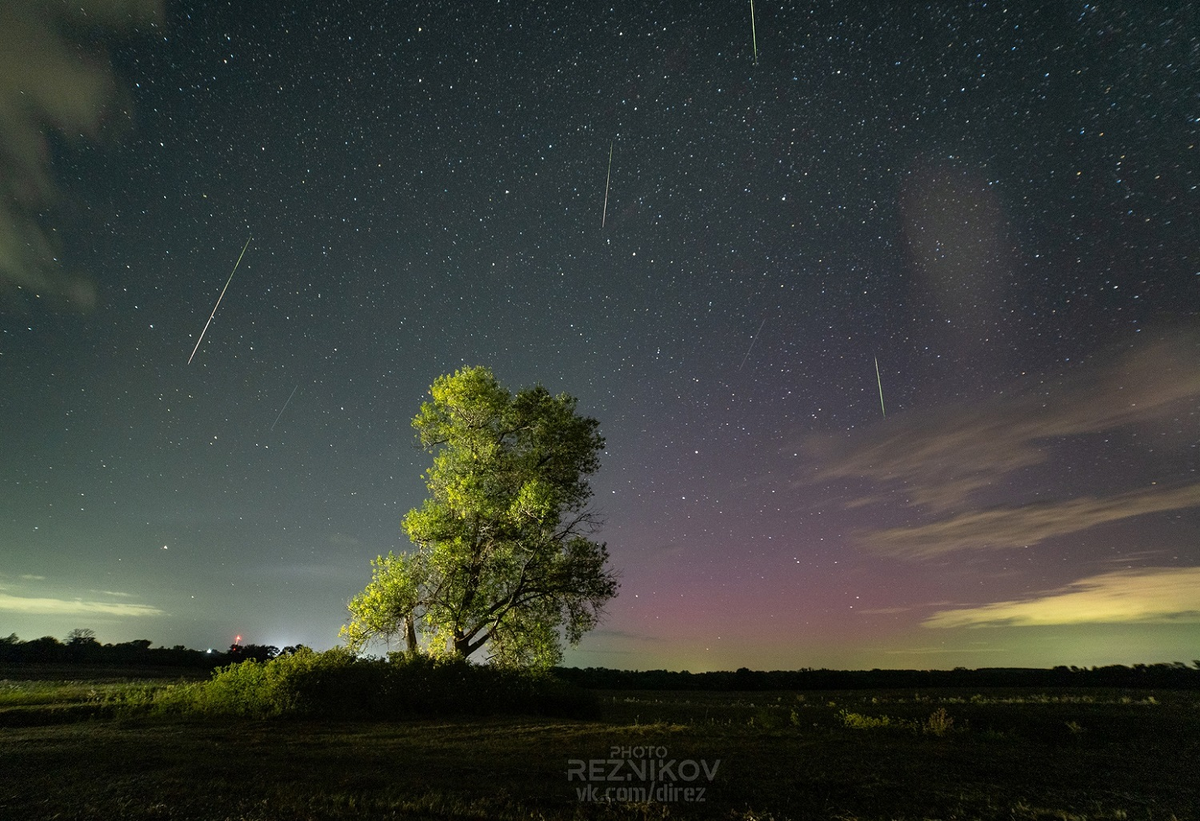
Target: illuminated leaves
x: 503, y: 556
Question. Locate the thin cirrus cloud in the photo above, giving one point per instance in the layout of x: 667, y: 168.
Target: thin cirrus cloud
x: 944, y: 460
x: 45, y: 606
x: 1025, y: 525
x: 943, y: 457
x: 1148, y: 595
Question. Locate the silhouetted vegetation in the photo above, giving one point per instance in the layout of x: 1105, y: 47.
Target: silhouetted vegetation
x: 82, y: 648
x: 1175, y: 676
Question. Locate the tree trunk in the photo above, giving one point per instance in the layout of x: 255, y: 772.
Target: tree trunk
x: 410, y: 633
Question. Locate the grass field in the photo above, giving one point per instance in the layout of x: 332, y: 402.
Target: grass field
x: 69, y: 751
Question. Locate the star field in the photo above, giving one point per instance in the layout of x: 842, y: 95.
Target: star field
x: 997, y: 202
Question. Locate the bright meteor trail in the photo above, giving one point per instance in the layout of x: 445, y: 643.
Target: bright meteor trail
x: 753, y: 32
x: 222, y: 296
x: 880, y: 383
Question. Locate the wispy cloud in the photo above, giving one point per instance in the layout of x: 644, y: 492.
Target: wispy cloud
x: 1026, y: 524
x: 944, y: 459
x: 1154, y: 594
x: 49, y: 83
x: 73, y: 607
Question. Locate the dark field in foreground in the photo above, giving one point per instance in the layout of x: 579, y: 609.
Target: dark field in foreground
x: 928, y: 754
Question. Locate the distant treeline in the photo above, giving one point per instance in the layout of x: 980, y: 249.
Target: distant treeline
x: 81, y: 648
x: 1176, y: 675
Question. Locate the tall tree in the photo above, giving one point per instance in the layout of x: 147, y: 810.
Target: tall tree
x: 81, y: 635
x: 503, y: 558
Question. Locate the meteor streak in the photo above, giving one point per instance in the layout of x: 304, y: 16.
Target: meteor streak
x: 880, y: 383
x: 753, y: 339
x: 285, y: 404
x: 222, y: 296
x: 607, y: 180
x: 753, y: 33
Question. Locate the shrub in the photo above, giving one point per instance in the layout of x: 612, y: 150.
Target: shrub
x: 858, y: 721
x: 336, y: 683
x: 772, y: 719
x: 939, y: 723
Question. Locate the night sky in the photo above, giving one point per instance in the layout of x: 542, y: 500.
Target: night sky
x: 997, y: 203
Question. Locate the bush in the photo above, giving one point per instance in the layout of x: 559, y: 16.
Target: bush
x: 940, y: 723
x: 858, y: 721
x: 773, y: 719
x: 426, y: 684
x: 336, y: 683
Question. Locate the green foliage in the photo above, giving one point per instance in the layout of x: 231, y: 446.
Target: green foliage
x: 858, y: 721
x: 338, y: 684
x: 292, y: 684
x: 939, y: 723
x: 389, y: 603
x: 37, y: 693
x: 503, y: 556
